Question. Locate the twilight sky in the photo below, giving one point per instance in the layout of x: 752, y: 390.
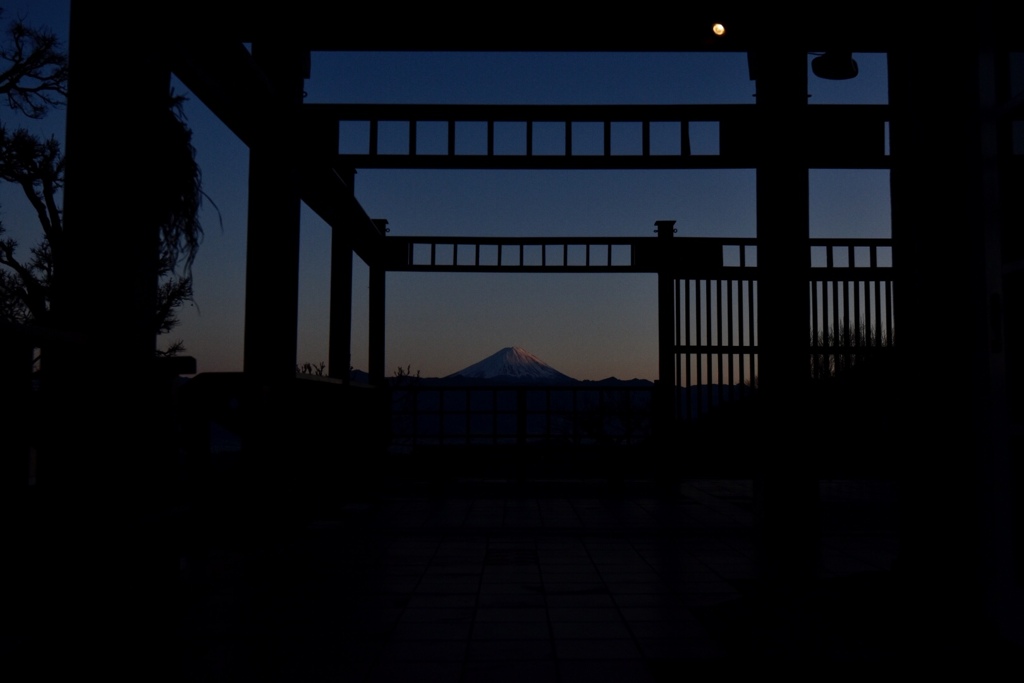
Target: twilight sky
x: 587, y: 326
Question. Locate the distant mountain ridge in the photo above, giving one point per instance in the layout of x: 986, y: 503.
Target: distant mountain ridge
x: 514, y: 365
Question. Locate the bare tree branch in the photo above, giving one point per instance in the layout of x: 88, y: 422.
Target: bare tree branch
x: 38, y: 167
x: 24, y: 287
x: 33, y: 69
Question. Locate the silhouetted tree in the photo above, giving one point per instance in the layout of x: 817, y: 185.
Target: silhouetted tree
x: 404, y: 376
x: 33, y: 69
x: 842, y: 350
x: 37, y: 167
x: 318, y: 370
x: 33, y: 76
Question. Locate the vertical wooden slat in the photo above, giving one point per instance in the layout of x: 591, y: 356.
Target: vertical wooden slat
x: 718, y: 329
x: 568, y: 138
x: 373, y: 137
x: 607, y: 138
x: 855, y: 286
x: 823, y: 306
x: 879, y: 285
x: 835, y: 317
x: 751, y: 327
x: 729, y: 319
x: 645, y: 133
x: 876, y: 289
x: 815, y: 334
x: 677, y: 352
x: 814, y: 314
x: 490, y: 138
x: 739, y: 323
x: 751, y: 311
x: 846, y: 322
x: 698, y: 310
x: 684, y: 138
x: 707, y: 334
x: 529, y: 138
x: 433, y: 253
x: 888, y: 310
x: 832, y: 332
x: 856, y: 312
x: 687, y: 325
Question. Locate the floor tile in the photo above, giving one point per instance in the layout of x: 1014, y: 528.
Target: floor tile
x: 511, y: 630
x: 596, y: 649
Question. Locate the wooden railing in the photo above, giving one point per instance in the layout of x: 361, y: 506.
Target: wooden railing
x: 519, y: 415
x: 850, y: 311
x: 716, y: 344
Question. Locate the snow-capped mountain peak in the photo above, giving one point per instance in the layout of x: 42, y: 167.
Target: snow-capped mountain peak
x: 514, y: 364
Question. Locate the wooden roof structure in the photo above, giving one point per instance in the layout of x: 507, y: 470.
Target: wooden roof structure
x: 955, y: 112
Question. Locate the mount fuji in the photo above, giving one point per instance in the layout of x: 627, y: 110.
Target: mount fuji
x: 513, y: 365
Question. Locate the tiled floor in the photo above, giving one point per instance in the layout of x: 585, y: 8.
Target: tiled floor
x: 490, y: 582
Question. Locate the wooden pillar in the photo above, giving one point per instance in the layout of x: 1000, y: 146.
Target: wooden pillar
x: 946, y: 235
x: 786, y: 489
x: 783, y: 252
x: 272, y: 250
x: 271, y: 411
x: 105, y: 264
x: 378, y: 313
x: 665, y: 392
x: 106, y: 468
x: 340, y: 347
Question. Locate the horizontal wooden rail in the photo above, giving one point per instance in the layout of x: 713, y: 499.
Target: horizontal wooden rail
x: 625, y: 137
x: 567, y: 254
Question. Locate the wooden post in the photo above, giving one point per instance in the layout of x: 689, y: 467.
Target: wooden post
x: 340, y: 345
x: 786, y: 489
x: 947, y: 246
x: 378, y: 312
x: 272, y: 248
x: 665, y: 389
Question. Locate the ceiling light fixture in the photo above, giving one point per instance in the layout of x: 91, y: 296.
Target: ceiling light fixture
x: 834, y: 66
